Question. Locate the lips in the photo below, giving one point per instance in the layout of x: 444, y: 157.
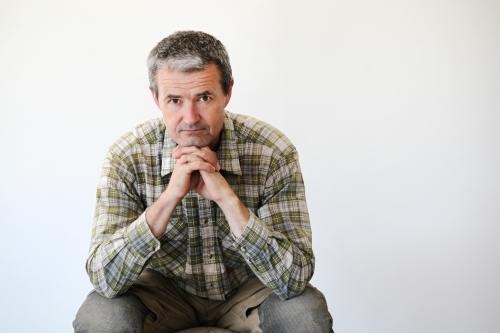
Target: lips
x: 192, y: 131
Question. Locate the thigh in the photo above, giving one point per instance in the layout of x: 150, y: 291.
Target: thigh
x: 306, y: 313
x: 124, y: 314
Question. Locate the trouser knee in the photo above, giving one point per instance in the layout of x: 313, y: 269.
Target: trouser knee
x: 306, y: 313
x: 124, y: 314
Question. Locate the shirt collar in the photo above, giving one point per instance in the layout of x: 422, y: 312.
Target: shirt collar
x: 227, y: 153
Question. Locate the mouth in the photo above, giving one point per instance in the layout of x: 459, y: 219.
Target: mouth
x: 192, y: 131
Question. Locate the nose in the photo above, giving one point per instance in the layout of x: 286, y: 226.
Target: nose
x: 191, y: 114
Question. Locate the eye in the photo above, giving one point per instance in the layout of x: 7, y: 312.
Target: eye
x: 204, y: 98
x: 175, y: 101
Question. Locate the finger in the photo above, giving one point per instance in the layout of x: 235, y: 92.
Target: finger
x: 204, y: 153
x: 178, y: 151
x: 189, y: 158
x: 213, y: 155
x: 197, y: 165
x: 193, y: 162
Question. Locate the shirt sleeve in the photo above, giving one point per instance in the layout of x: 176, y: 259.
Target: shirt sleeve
x: 277, y: 241
x: 121, y: 240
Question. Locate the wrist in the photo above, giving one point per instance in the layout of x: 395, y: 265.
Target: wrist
x: 236, y: 213
x: 159, y: 213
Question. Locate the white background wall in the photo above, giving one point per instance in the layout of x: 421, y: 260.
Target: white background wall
x: 393, y: 105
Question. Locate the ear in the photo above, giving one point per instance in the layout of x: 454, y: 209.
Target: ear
x: 155, y: 98
x: 229, y: 92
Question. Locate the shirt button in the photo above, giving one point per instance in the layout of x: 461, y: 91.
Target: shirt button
x: 243, y: 250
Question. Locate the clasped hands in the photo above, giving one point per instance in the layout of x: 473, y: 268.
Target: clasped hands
x: 197, y: 169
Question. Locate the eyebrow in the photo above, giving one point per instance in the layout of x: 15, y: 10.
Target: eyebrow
x: 170, y: 96
x: 205, y: 93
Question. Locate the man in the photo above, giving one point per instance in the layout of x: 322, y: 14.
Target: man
x: 201, y: 218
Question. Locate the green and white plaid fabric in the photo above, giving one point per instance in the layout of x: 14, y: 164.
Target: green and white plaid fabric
x: 198, y: 249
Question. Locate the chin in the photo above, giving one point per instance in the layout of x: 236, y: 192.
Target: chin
x: 195, y: 143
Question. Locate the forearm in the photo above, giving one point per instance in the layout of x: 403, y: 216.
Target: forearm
x: 277, y: 242
x: 119, y: 257
x: 159, y: 213
x: 236, y: 213
x: 283, y: 261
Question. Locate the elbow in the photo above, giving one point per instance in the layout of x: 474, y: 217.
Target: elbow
x: 104, y: 287
x: 303, y: 274
x: 107, y: 293
x: 101, y: 284
x: 293, y: 289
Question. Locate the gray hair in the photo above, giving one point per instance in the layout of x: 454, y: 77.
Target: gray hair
x: 189, y: 51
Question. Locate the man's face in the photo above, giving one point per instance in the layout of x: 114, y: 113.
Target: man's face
x: 192, y: 105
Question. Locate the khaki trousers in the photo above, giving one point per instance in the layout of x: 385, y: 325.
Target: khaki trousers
x: 173, y: 309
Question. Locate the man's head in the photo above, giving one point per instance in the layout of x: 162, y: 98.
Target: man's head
x: 191, y: 83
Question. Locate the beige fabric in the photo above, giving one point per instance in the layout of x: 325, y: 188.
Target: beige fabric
x: 205, y: 330
x: 174, y: 309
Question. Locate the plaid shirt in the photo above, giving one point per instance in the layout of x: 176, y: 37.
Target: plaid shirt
x: 198, y: 250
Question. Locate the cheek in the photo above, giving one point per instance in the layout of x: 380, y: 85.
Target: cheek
x: 216, y: 125
x: 171, y: 124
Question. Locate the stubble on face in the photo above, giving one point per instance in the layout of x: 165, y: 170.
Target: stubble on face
x: 192, y: 135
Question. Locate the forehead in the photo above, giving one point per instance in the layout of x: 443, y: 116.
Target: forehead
x: 170, y: 81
